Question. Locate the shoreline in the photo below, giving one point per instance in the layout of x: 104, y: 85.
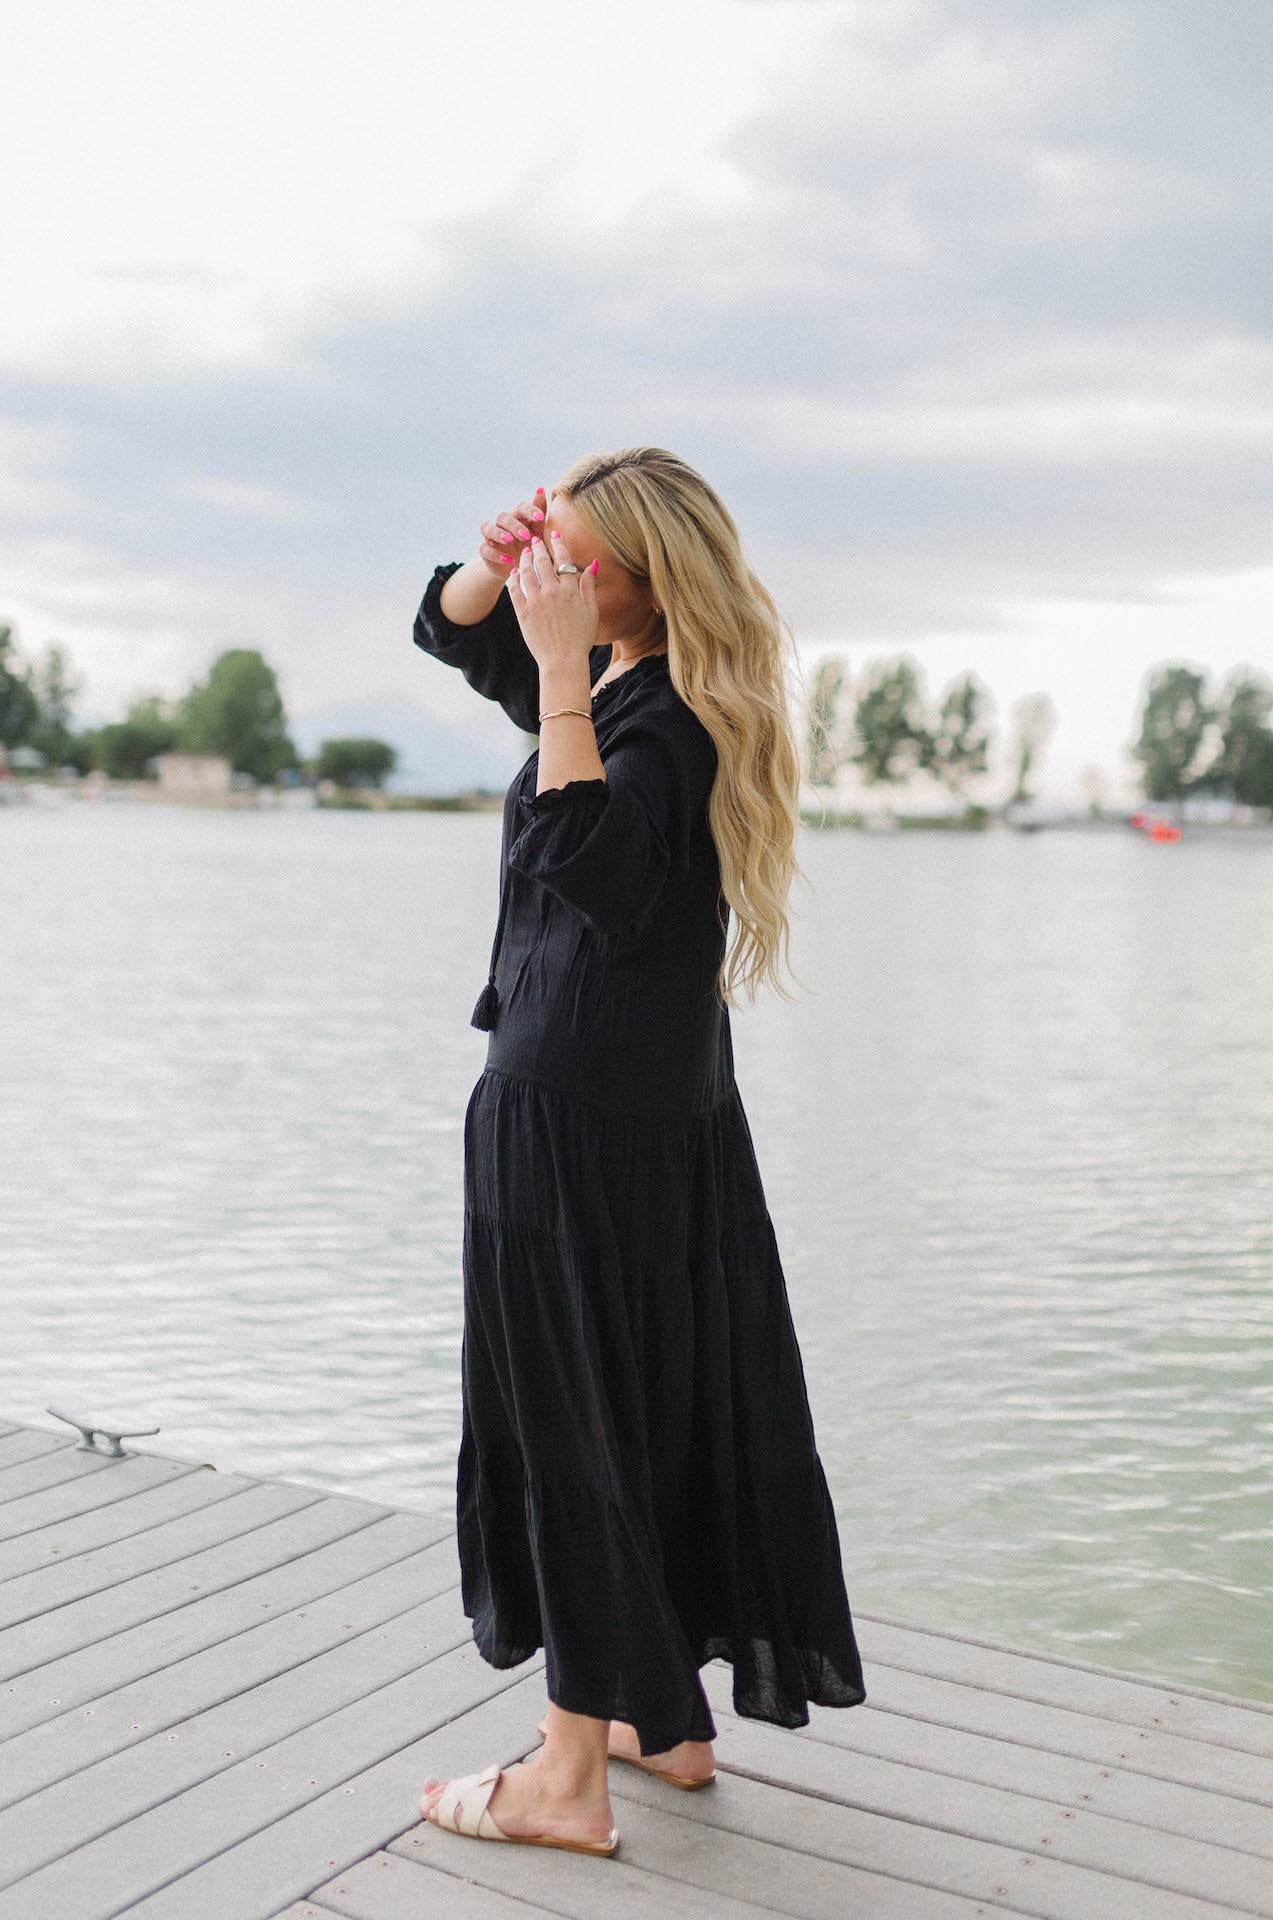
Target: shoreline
x: 32, y: 790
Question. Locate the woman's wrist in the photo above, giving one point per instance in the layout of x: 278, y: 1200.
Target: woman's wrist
x: 565, y: 682
x: 470, y: 594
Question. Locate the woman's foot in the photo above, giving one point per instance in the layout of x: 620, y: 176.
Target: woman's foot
x: 529, y: 1799
x: 695, y: 1759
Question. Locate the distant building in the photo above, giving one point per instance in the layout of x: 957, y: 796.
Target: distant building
x: 193, y: 775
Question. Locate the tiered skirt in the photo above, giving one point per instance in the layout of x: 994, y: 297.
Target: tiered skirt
x: 639, y: 1490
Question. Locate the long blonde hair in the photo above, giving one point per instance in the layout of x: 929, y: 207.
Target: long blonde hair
x: 726, y: 642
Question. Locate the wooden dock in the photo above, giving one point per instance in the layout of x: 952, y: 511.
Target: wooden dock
x: 219, y: 1698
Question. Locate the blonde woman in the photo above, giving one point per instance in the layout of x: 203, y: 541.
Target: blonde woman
x: 638, y: 1489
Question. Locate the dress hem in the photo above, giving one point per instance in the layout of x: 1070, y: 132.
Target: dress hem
x: 787, y: 1714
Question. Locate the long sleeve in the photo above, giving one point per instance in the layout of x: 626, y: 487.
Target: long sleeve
x: 607, y: 847
x: 491, y: 654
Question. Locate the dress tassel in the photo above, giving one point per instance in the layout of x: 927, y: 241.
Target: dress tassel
x: 486, y: 1009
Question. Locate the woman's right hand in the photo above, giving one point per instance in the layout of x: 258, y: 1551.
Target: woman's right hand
x: 505, y: 538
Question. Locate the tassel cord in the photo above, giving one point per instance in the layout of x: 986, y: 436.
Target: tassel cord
x: 486, y: 1012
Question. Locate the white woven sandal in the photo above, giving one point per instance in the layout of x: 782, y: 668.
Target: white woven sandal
x: 462, y: 1806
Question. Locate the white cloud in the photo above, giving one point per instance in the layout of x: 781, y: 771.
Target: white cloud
x: 962, y: 303
x: 195, y: 182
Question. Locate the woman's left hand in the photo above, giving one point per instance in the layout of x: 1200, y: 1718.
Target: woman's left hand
x: 557, y: 612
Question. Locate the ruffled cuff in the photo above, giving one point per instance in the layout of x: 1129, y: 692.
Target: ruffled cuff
x: 554, y: 824
x: 433, y: 630
x: 595, y: 846
x: 490, y: 653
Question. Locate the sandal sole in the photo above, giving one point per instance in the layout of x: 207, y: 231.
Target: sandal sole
x: 602, y: 1847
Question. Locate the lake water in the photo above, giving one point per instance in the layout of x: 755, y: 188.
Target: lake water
x: 1017, y: 1143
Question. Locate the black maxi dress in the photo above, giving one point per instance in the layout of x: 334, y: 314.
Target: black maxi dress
x: 638, y: 1487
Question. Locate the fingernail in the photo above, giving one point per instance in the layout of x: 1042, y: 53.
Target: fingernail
x: 522, y: 534
x: 538, y: 514
x: 506, y: 537
x: 556, y: 535
x: 593, y: 569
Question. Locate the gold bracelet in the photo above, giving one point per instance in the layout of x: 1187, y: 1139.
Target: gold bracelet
x: 581, y: 711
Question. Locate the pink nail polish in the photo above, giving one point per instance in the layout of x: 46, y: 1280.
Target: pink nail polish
x: 522, y: 534
x: 593, y: 569
x: 506, y: 537
x: 538, y: 514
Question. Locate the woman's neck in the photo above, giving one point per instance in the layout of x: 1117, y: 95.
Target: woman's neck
x: 626, y: 653
x: 628, y: 647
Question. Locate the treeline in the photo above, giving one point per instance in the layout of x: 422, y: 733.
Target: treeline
x: 1191, y: 740
x: 1194, y: 742
x: 889, y: 730
x: 237, y: 712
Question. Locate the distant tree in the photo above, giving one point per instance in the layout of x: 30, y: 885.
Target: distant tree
x: 238, y: 711
x: 1253, y: 784
x: 824, y: 751
x: 1094, y: 782
x: 892, y: 739
x: 1174, y: 723
x: 19, y: 707
x: 960, y: 746
x: 1033, y: 723
x: 356, y: 763
x: 56, y: 690
x: 124, y: 749
x: 1242, y: 718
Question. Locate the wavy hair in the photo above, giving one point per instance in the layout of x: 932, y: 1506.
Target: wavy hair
x: 727, y: 645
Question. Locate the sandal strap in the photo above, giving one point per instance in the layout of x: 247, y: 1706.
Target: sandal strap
x: 462, y: 1806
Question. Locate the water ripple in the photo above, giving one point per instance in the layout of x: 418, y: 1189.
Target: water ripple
x: 1015, y: 1142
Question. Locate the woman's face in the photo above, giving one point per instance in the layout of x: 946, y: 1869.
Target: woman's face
x: 624, y: 605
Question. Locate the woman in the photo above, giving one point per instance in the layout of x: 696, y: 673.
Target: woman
x: 639, y: 1489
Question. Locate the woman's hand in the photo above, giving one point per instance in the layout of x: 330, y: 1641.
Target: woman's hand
x: 557, y: 612
x: 505, y: 538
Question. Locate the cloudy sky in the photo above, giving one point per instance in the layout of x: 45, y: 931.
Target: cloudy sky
x: 964, y: 306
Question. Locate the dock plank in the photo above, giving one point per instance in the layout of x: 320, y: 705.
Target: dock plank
x: 62, y: 1542
x: 1015, y: 1819
x: 326, y: 1558
x: 1126, y: 1698
x: 1167, y: 1781
x: 27, y: 1443
x: 399, y: 1562
x: 27, y: 1518
x: 267, y: 1525
x: 1068, y: 1732
x: 222, y: 1695
x: 248, y: 1719
x: 716, y: 1867
x: 232, y: 1835
x: 385, y: 1887
x: 49, y: 1466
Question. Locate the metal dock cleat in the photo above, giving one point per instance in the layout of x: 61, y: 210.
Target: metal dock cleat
x: 89, y: 1443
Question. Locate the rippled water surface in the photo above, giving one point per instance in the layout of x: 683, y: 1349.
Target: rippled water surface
x: 1017, y: 1141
